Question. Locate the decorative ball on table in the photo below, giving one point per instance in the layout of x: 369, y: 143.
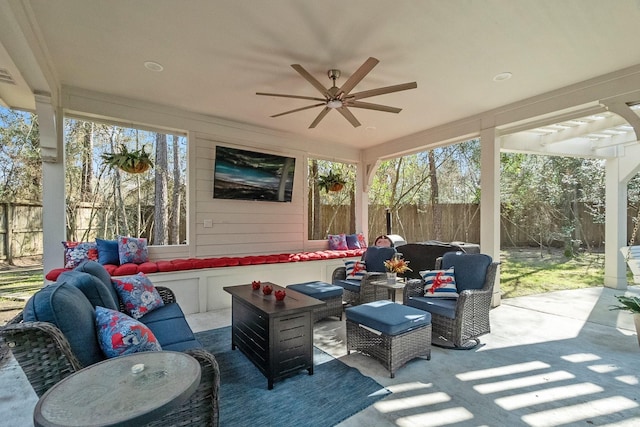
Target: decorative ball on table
x: 267, y: 289
x: 255, y: 285
x: 280, y: 294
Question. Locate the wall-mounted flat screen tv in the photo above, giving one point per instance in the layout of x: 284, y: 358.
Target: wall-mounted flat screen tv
x: 249, y: 175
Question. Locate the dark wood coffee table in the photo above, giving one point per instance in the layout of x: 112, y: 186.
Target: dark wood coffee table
x: 277, y: 336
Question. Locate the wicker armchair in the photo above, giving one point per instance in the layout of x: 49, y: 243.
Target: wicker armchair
x: 45, y: 356
x: 457, y: 323
x: 359, y: 293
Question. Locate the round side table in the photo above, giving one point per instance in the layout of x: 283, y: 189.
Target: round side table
x: 124, y: 391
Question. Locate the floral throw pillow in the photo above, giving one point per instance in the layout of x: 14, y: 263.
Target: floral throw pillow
x: 338, y: 242
x: 132, y: 249
x: 119, y: 334
x: 75, y: 253
x: 439, y: 283
x: 138, y: 294
x: 362, y: 241
x: 355, y: 269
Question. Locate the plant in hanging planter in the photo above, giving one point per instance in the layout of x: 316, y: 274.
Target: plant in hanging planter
x: 331, y: 181
x: 136, y: 161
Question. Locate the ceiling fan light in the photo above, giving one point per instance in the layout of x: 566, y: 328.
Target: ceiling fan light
x: 334, y: 103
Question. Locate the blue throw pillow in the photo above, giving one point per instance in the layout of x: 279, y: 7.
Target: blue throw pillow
x: 375, y: 257
x: 119, y: 334
x: 138, y: 294
x: 108, y: 252
x: 352, y: 241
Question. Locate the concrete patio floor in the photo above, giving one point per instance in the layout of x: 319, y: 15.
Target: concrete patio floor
x: 556, y: 359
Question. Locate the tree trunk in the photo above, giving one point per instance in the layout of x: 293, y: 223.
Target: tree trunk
x: 174, y: 236
x: 160, y: 212
x: 435, y: 197
x: 87, y: 162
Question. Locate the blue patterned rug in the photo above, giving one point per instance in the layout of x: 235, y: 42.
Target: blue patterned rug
x: 332, y: 394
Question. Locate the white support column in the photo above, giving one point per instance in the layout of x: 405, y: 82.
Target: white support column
x: 53, y: 194
x: 490, y: 200
x: 618, y: 171
x: 362, y: 201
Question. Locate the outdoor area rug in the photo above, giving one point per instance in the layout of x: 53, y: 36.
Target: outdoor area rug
x: 332, y: 394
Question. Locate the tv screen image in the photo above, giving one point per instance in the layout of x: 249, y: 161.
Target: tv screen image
x: 250, y: 175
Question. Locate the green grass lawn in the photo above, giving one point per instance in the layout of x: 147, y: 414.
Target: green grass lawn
x: 530, y: 271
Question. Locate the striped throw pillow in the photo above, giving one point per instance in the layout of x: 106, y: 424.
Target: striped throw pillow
x: 439, y: 283
x: 355, y: 269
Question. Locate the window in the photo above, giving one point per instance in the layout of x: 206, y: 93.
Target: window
x: 331, y: 209
x: 104, y: 201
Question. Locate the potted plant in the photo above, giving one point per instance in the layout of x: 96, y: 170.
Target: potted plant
x: 136, y: 161
x: 632, y: 305
x: 331, y: 181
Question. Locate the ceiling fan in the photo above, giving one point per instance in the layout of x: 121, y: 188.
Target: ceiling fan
x: 341, y: 98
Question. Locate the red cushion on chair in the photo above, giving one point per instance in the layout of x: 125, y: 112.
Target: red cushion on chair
x: 148, y: 267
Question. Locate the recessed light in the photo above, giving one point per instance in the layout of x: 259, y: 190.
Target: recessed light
x: 502, y: 76
x: 153, y: 66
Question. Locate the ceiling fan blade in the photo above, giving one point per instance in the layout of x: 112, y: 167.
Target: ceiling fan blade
x: 310, y: 98
x: 350, y: 117
x: 308, y: 77
x: 383, y: 90
x: 320, y: 117
x: 370, y: 106
x: 299, y: 109
x: 358, y: 75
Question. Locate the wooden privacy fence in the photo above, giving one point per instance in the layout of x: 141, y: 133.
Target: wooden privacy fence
x: 21, y: 226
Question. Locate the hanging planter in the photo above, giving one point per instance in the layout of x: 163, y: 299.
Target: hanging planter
x: 331, y: 181
x: 136, y: 161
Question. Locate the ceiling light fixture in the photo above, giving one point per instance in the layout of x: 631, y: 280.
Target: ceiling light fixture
x: 334, y: 103
x: 153, y: 66
x: 502, y: 76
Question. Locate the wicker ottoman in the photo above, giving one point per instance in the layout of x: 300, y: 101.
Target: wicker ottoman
x: 390, y: 333
x: 331, y: 294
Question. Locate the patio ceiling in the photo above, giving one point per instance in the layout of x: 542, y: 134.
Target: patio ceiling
x: 217, y: 54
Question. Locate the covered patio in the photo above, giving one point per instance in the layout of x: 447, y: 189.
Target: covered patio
x: 480, y: 72
x: 561, y: 358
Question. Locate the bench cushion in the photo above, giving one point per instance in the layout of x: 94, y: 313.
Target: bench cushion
x: 439, y: 306
x: 318, y: 290
x: 388, y: 317
x: 169, y: 326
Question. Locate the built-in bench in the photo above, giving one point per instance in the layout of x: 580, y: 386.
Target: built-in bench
x: 198, y: 282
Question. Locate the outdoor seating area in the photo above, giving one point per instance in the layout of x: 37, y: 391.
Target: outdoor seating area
x: 527, y: 371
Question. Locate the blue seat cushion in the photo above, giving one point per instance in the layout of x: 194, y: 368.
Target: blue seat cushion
x: 66, y: 307
x: 168, y: 325
x: 318, y: 290
x: 98, y: 294
x: 470, y: 269
x: 349, y: 285
x: 388, y: 317
x: 183, y: 345
x: 375, y: 257
x: 439, y: 306
x: 96, y: 269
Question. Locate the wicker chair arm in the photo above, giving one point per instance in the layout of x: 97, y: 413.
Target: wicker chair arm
x: 166, y: 294
x: 202, y: 408
x: 43, y: 352
x: 339, y: 273
x: 414, y: 288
